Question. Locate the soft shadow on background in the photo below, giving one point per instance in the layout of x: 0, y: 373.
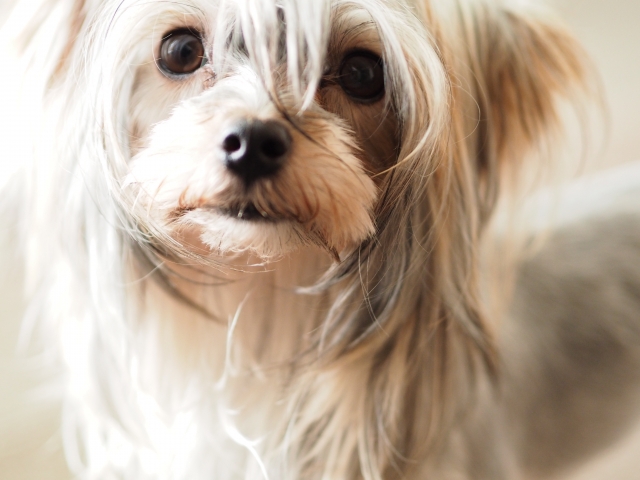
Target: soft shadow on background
x: 610, y: 31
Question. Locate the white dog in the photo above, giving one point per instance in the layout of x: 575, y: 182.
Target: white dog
x: 253, y: 230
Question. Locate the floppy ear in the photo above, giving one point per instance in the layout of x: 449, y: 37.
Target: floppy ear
x: 514, y: 68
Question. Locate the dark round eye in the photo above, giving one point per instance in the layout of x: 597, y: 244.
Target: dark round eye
x: 361, y: 76
x: 181, y: 52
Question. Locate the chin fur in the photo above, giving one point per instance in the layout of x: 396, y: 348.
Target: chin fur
x: 321, y: 321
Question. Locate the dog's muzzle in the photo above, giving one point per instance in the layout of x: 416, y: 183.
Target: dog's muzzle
x: 255, y: 149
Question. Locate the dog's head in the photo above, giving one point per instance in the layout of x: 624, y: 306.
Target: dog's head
x: 267, y: 126
x: 264, y: 126
x: 375, y: 131
x: 378, y: 131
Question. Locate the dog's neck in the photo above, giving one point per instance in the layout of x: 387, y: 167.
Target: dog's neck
x: 242, y: 315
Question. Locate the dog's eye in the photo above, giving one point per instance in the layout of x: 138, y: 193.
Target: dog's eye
x: 181, y: 52
x: 361, y: 76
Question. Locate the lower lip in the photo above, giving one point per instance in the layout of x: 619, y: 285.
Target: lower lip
x: 249, y: 214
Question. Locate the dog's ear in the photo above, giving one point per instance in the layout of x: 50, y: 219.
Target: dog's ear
x: 514, y: 69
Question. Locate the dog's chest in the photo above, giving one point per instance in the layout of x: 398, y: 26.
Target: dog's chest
x: 210, y: 392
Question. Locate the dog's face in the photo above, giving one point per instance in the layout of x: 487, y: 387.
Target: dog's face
x: 260, y: 138
x: 263, y: 126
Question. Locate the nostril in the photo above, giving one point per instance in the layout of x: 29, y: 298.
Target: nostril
x: 273, y: 148
x: 232, y: 143
x: 255, y: 149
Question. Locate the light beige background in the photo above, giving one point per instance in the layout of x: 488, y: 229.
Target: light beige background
x: 610, y: 31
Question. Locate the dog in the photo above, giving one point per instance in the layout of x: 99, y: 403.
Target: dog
x: 254, y: 231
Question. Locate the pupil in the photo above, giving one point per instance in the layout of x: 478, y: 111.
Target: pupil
x: 183, y: 50
x: 186, y: 52
x: 361, y: 74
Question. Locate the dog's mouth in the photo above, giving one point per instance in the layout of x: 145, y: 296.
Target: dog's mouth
x: 248, y: 212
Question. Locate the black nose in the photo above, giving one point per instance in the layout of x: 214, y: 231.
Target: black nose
x: 256, y: 149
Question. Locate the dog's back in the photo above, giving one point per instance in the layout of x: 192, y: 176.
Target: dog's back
x: 571, y: 351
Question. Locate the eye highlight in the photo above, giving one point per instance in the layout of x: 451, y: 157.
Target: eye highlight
x: 181, y: 52
x: 361, y: 76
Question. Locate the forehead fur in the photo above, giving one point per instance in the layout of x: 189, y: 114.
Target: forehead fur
x: 309, y: 32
